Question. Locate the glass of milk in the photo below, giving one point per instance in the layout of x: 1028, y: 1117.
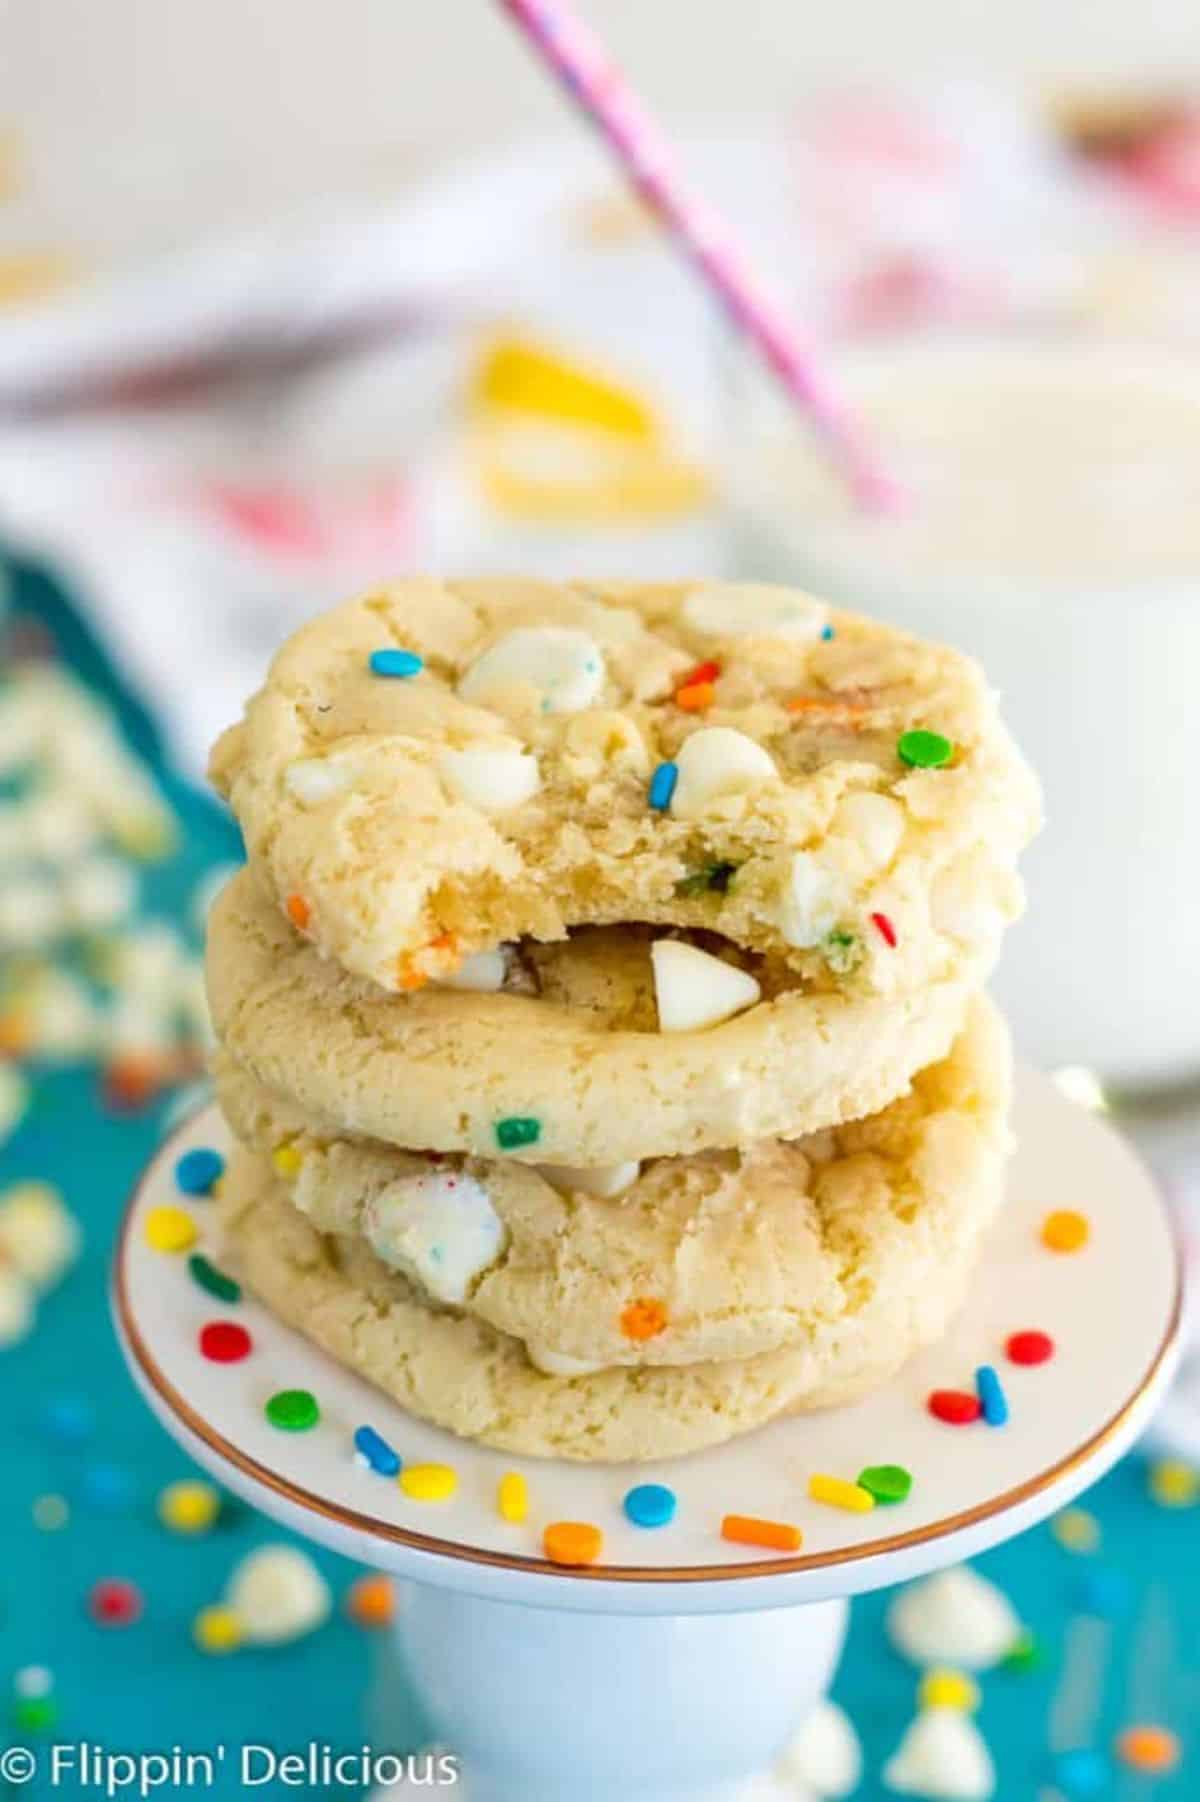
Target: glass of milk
x: 1052, y: 528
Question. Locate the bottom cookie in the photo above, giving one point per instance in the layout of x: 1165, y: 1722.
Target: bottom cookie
x: 463, y: 1375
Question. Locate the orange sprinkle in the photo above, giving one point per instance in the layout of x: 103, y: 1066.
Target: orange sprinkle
x: 1065, y: 1231
x: 15, y: 1035
x: 645, y: 1318
x: 572, y: 1542
x: 298, y: 912
x: 372, y: 1601
x: 1148, y: 1748
x: 411, y: 977
x: 439, y: 955
x: 134, y: 1079
x: 775, y: 1535
x: 694, y: 697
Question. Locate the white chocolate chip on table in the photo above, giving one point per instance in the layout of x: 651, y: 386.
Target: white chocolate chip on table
x: 942, y: 1757
x: 277, y: 1595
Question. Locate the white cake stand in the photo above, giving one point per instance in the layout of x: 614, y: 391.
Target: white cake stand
x: 681, y: 1663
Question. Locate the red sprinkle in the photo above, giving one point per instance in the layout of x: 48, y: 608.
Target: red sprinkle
x: 114, y: 1602
x: 954, y: 1406
x: 703, y: 672
x: 1029, y: 1348
x: 224, y: 1342
x: 887, y: 931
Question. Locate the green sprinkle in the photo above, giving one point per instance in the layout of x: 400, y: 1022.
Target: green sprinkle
x: 1024, y: 1654
x: 212, y: 1280
x: 888, y: 1483
x: 714, y: 878
x: 924, y: 750
x: 35, y: 1714
x: 842, y: 951
x: 518, y: 1129
x: 293, y: 1410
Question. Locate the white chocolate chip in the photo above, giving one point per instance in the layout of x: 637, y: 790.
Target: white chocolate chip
x: 278, y: 1594
x: 715, y: 762
x: 39, y: 1238
x: 964, y: 910
x: 563, y: 665
x: 602, y: 1180
x: 954, y: 1618
x: 694, y: 989
x: 874, y: 822
x: 484, y: 972
x: 943, y: 1757
x: 825, y: 1757
x: 493, y: 777
x: 439, y: 1228
x: 558, y: 1364
x: 754, y: 610
x: 99, y: 892
x: 315, y: 779
x: 812, y: 902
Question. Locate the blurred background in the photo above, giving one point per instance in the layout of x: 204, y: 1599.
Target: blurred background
x: 295, y: 298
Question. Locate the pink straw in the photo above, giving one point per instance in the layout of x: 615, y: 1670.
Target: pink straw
x: 581, y: 63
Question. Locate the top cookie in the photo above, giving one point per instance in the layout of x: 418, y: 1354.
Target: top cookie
x: 443, y: 767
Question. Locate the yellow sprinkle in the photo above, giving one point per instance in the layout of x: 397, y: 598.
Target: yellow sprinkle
x: 1076, y: 1530
x: 428, y: 1482
x: 948, y: 1689
x: 841, y: 1494
x: 170, y: 1229
x: 512, y: 1497
x: 189, y: 1507
x: 217, y: 1629
x: 1174, y: 1484
x: 287, y: 1160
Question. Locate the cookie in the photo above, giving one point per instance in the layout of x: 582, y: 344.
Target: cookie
x: 442, y: 768
x: 717, y: 1256
x: 461, y: 1374
x: 566, y: 1063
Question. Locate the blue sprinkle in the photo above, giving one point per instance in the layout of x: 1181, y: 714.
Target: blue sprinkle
x: 377, y: 1452
x: 650, y: 1505
x: 992, y: 1398
x: 106, y: 1488
x: 198, y: 1170
x: 662, y: 785
x: 1081, y: 1772
x: 396, y: 663
x: 1104, y: 1592
x: 827, y: 633
x: 69, y: 1421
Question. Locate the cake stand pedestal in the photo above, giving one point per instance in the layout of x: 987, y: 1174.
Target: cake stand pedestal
x: 680, y: 1665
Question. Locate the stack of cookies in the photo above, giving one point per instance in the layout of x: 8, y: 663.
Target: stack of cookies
x: 600, y: 1014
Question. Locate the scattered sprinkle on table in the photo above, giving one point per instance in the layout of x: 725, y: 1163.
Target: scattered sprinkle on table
x: 1147, y: 1747
x: 770, y: 1535
x: 1104, y: 1592
x: 944, y: 1688
x: 1024, y: 1654
x: 217, y: 1630
x: 836, y: 1492
x: 955, y: 1407
x: 392, y: 662
x: 572, y: 1542
x: 923, y: 750
x: 34, y: 1708
x: 51, y: 1513
x: 1081, y: 1773
x: 517, y: 1129
x: 1065, y: 1231
x: 644, y: 1319
x: 650, y: 1505
x: 1029, y: 1348
x: 68, y: 1420
x: 374, y: 1449
x: 429, y: 1482
x: 198, y: 1169
x: 371, y: 1600
x: 512, y: 1498
x: 1174, y: 1484
x: 293, y: 1410
x: 1076, y: 1530
x: 170, y: 1229
x: 214, y: 1282
x: 992, y: 1399
x: 115, y: 1602
x: 888, y: 1483
x: 190, y: 1507
x: 106, y: 1488
x: 662, y: 786
x: 885, y: 929
x: 225, y: 1342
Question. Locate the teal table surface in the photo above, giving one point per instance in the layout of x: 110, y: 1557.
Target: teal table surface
x: 1118, y: 1631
